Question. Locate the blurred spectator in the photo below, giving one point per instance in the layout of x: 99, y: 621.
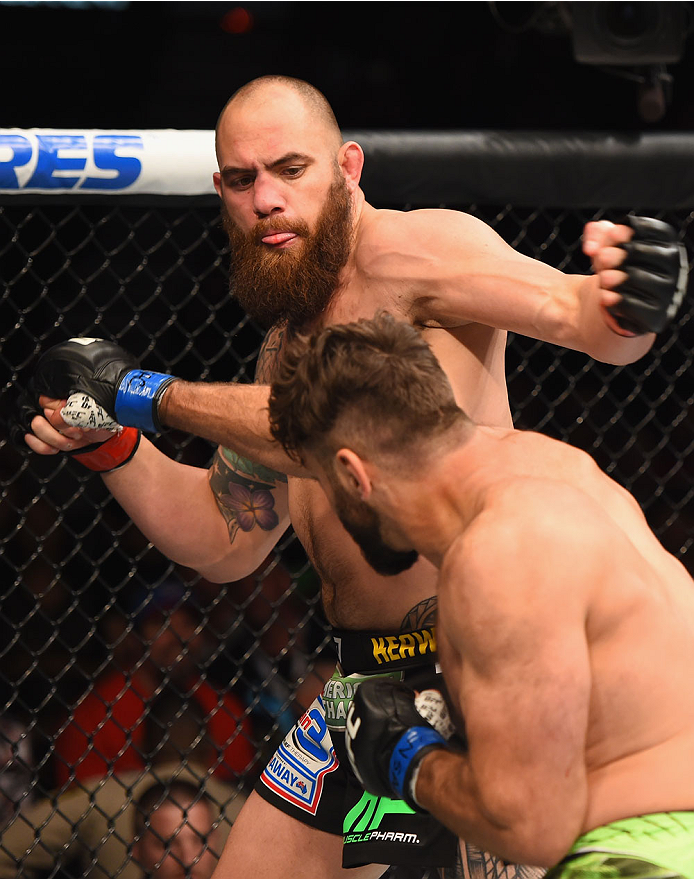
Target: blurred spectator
x: 120, y: 640
x: 16, y: 768
x: 175, y: 832
x: 91, y: 826
x: 105, y: 730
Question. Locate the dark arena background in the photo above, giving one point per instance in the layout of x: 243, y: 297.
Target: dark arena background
x: 96, y: 626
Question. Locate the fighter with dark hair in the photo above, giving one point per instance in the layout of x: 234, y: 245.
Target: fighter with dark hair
x: 565, y: 630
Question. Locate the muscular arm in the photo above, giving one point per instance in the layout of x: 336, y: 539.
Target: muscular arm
x: 222, y: 523
x: 178, y: 508
x: 232, y: 415
x: 515, y: 633
x: 251, y: 497
x: 463, y: 272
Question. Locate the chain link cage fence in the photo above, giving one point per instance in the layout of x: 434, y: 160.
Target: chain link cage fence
x: 105, y: 645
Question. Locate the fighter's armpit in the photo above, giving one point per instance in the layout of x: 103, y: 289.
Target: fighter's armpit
x: 243, y: 491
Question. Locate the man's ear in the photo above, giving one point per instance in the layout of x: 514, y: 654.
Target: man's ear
x: 352, y: 473
x: 351, y: 161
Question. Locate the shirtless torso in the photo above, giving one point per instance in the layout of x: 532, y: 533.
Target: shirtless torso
x: 565, y: 629
x: 443, y: 271
x: 354, y: 596
x: 594, y: 638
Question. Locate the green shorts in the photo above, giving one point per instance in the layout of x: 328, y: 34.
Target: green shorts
x: 658, y: 846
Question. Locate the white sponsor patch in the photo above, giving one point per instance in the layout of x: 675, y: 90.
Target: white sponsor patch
x: 83, y: 411
x: 297, y: 771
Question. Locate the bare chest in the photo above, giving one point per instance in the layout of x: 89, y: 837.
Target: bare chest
x: 354, y: 595
x: 473, y: 356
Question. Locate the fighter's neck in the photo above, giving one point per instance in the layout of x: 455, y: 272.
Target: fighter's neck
x: 339, y: 309
x: 362, y: 212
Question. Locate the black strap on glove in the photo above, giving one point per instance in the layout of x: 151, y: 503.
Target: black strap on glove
x: 387, y: 738
x: 657, y: 273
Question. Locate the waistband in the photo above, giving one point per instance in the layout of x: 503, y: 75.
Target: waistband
x: 629, y: 835
x: 369, y: 652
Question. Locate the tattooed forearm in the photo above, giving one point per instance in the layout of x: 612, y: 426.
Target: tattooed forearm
x: 421, y: 615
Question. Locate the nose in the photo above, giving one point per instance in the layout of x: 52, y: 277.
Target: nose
x: 268, y: 198
x: 188, y: 849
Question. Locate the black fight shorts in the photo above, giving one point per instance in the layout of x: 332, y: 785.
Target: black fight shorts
x: 309, y: 776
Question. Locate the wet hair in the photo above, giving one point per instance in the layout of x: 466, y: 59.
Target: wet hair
x: 314, y: 100
x: 375, y: 383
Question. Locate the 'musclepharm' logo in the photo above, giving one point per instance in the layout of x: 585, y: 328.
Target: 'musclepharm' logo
x: 362, y: 823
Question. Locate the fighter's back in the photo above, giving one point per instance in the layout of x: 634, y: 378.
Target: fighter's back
x: 634, y: 601
x: 640, y: 633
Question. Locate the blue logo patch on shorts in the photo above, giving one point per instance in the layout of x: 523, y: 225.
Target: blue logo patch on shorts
x: 302, y: 761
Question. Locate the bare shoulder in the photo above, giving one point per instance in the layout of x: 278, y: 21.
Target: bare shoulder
x: 386, y: 230
x: 538, y: 508
x: 446, y: 268
x: 537, y: 543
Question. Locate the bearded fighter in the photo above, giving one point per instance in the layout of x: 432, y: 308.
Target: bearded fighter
x: 309, y: 251
x: 565, y: 630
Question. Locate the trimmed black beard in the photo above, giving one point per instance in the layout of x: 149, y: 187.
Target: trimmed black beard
x: 364, y: 526
x: 288, y: 286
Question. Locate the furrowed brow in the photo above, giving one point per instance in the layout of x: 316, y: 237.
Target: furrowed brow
x: 230, y: 171
x: 287, y: 159
x: 290, y: 158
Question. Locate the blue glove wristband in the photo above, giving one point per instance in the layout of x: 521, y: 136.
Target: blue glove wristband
x: 137, y: 396
x: 409, y: 745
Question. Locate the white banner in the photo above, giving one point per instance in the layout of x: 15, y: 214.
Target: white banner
x: 129, y: 162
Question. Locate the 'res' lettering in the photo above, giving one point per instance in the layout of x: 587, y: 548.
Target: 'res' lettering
x: 62, y: 161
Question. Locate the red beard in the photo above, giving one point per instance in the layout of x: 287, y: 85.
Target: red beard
x: 295, y: 285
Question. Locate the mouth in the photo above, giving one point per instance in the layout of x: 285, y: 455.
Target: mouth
x: 279, y: 239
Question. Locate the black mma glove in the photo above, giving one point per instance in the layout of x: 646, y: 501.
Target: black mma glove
x: 387, y: 738
x: 657, y: 272
x: 105, y: 372
x: 103, y: 457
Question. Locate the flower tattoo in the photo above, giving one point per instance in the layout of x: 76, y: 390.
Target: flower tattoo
x: 251, y: 507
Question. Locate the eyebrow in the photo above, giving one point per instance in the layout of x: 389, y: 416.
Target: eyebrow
x: 286, y: 159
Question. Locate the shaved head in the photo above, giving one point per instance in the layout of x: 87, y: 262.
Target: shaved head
x: 287, y: 184
x: 277, y: 89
